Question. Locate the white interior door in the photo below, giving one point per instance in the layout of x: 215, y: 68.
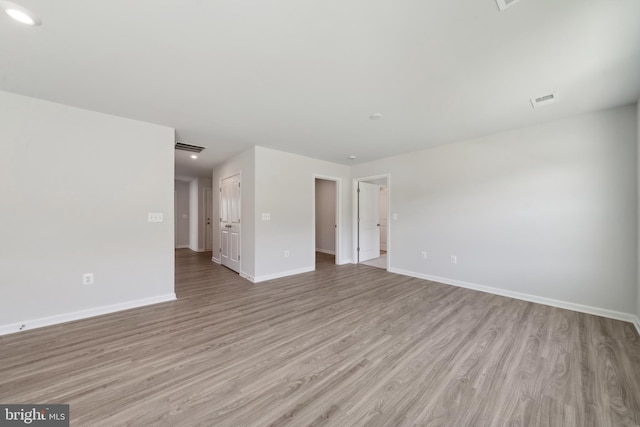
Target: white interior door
x: 368, y: 221
x: 230, y: 222
x: 208, y: 226
x: 384, y: 221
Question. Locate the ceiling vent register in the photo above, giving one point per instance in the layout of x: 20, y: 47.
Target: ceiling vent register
x: 541, y: 101
x: 186, y: 147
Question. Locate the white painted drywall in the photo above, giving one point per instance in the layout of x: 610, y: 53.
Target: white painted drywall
x: 182, y: 217
x: 243, y: 163
x: 325, y: 216
x: 549, y: 211
x: 76, y: 188
x: 284, y: 185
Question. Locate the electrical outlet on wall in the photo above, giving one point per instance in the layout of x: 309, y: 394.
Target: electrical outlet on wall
x: 87, y: 279
x: 454, y: 259
x: 286, y: 253
x: 424, y: 254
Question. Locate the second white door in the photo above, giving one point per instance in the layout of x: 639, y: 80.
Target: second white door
x: 230, y: 222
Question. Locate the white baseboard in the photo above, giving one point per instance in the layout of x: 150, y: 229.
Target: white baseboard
x: 637, y: 324
x: 324, y: 251
x: 182, y: 247
x: 82, y: 314
x: 612, y: 314
x: 282, y: 274
x: 216, y: 260
x: 345, y: 261
x: 248, y: 277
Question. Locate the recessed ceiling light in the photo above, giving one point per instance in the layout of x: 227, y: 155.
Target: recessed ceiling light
x: 193, y: 156
x: 19, y: 13
x: 352, y: 157
x: 375, y: 116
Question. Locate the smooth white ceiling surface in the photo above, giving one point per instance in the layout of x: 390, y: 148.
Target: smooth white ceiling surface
x: 304, y: 76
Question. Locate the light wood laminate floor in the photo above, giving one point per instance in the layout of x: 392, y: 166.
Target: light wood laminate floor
x: 344, y: 346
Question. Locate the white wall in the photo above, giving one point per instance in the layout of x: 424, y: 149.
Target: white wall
x: 76, y: 187
x: 243, y: 163
x: 284, y: 186
x: 325, y: 216
x: 182, y: 217
x: 548, y: 211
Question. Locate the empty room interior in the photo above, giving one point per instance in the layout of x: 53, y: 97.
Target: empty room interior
x: 320, y: 213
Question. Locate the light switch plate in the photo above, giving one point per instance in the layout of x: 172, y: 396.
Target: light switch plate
x: 156, y: 217
x: 266, y: 216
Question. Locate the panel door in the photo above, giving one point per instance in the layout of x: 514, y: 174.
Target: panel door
x: 230, y: 222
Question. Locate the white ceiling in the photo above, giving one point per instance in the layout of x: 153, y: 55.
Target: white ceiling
x: 304, y: 76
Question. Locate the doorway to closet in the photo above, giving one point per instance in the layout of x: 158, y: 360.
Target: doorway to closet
x: 327, y: 220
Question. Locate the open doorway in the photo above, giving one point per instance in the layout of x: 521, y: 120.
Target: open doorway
x: 371, y: 222
x: 327, y: 236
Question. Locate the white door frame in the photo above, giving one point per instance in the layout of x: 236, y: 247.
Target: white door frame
x: 384, y: 194
x: 338, y: 182
x: 175, y: 217
x: 354, y: 215
x: 239, y: 173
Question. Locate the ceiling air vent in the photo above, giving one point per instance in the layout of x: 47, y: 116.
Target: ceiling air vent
x: 503, y: 4
x: 541, y: 101
x: 187, y: 147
